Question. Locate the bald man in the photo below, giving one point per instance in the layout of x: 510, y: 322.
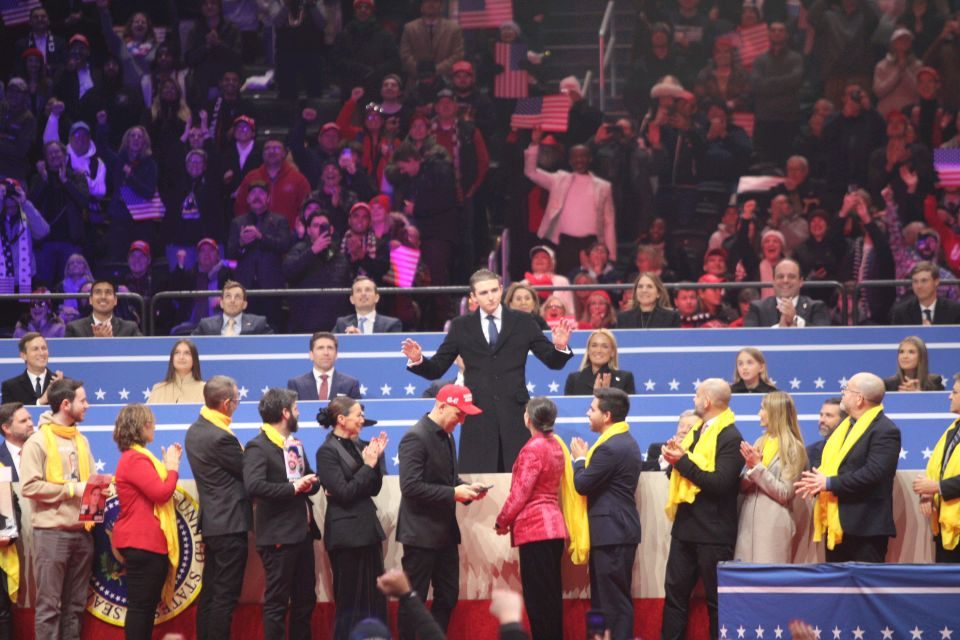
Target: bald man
x: 855, y: 477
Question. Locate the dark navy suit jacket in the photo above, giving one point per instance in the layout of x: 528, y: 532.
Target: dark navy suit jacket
x: 340, y: 385
x: 610, y: 484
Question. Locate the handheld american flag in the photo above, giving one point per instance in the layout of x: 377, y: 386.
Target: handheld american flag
x: 484, y: 14
x: 142, y: 209
x: 513, y: 81
x: 947, y: 164
x: 550, y: 113
x: 752, y: 43
x: 16, y: 12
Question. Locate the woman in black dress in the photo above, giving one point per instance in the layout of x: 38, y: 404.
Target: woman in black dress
x: 599, y: 368
x: 351, y: 472
x: 913, y: 373
x: 750, y: 373
x: 651, y: 306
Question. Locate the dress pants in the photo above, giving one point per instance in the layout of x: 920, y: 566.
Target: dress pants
x: 611, y: 575
x: 146, y: 573
x: 225, y: 558
x: 288, y: 578
x: 542, y: 587
x: 355, y: 573
x: 859, y: 549
x: 441, y: 567
x: 569, y: 248
x: 944, y: 556
x: 687, y: 562
x: 63, y: 576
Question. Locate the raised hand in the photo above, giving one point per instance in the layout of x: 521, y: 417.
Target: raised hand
x: 561, y: 333
x: 412, y: 350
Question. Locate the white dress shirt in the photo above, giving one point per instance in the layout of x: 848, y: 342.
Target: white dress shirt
x: 797, y: 320
x: 236, y: 324
x: 368, y: 320
x: 497, y: 320
x: 14, y: 454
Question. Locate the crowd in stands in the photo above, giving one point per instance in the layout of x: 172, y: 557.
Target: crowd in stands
x: 131, y: 149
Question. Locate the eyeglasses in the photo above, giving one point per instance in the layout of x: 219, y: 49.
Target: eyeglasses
x: 558, y: 307
x: 845, y: 388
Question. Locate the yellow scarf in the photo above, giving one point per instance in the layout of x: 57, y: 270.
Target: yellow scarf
x: 10, y: 565
x: 574, y: 507
x: 826, y: 509
x: 218, y: 419
x: 945, y: 519
x: 705, y: 457
x: 167, y: 515
x: 54, y: 468
x: 273, y: 435
x: 771, y: 447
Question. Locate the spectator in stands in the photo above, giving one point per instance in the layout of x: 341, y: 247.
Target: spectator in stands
x: 233, y: 321
x: 688, y: 307
x: 76, y: 273
x: 925, y: 306
x: 165, y: 66
x: 543, y: 274
x: 21, y: 225
x: 40, y: 88
x: 18, y: 130
x: 942, y: 58
x: 799, y: 186
x: 124, y: 104
x: 316, y: 263
x: 895, y: 77
x: 750, y: 373
x: 31, y: 386
x: 599, y: 368
x: 853, y: 487
x: 599, y: 312
x: 40, y: 319
x: 775, y: 81
x: 212, y: 48
x: 522, y: 297
x: 831, y: 415
x: 595, y: 261
x: 365, y: 319
x: 723, y: 80
x: 61, y: 196
x: 868, y: 258
x: 364, y: 51
x: 811, y: 143
x: 142, y: 280
x: 183, y: 382
x: 619, y: 159
x: 913, y: 369
x: 583, y: 119
x: 728, y: 147
x: 240, y: 157
x: 819, y: 256
x: 335, y: 200
x: 692, y: 32
x: 926, y: 248
x: 773, y: 464
x: 287, y: 187
x: 207, y: 273
x: 844, y: 31
x: 323, y: 382
x: 792, y: 224
x: 719, y: 313
x: 102, y: 322
x: 930, y: 115
x: 137, y: 48
x: 715, y: 263
x: 226, y: 107
x: 898, y: 163
x: 193, y: 210
x: 430, y: 38
x: 84, y: 161
x: 651, y: 308
x: 924, y: 20
x: 78, y: 78
x: 850, y: 135
x: 63, y: 569
x: 553, y: 310
x: 52, y: 48
x: 580, y: 295
x: 726, y: 228
x: 475, y: 105
x: 678, y: 151
x: 311, y: 159
x: 787, y: 308
x: 168, y: 116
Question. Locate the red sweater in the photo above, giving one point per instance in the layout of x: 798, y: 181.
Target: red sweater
x: 139, y: 489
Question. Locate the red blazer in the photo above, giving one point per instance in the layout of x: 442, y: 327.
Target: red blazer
x: 532, y: 509
x: 139, y: 488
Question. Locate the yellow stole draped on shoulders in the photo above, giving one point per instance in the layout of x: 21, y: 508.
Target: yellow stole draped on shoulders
x: 10, y: 565
x: 945, y: 519
x: 218, y: 419
x: 771, y: 447
x: 167, y: 515
x: 705, y: 457
x: 53, y: 470
x: 826, y: 509
x: 273, y: 435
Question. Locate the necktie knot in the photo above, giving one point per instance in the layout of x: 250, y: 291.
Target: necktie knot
x: 928, y: 315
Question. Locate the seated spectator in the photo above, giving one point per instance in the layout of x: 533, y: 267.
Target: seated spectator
x: 580, y: 295
x: 76, y: 273
x: 323, y: 382
x: 233, y: 321
x: 595, y: 260
x: 287, y: 187
x: 183, y: 382
x: 193, y: 210
x: 895, y: 77
x: 599, y: 368
x: 553, y: 310
x: 212, y: 47
x: 650, y: 306
x: 316, y: 262
x: 913, y: 369
x: 787, y: 308
x: 750, y: 373
x: 40, y: 319
x: 522, y: 297
x: 725, y: 229
x: 600, y: 313
x: 31, y: 386
x: 141, y: 279
x: 790, y: 222
x: 365, y: 319
x: 18, y: 130
x: 650, y: 258
x: 137, y: 48
x: 925, y: 306
x: 541, y: 274
x: 102, y: 322
x: 687, y: 303
x: 207, y: 273
x: 712, y: 304
x: 21, y: 225
x: 820, y: 254
x: 744, y: 299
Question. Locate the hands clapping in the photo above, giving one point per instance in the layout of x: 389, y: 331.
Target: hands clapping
x: 372, y: 452
x: 672, y: 451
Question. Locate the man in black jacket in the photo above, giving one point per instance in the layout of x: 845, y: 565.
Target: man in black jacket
x: 925, y: 307
x: 430, y: 488
x: 364, y: 52
x: 216, y: 458
x: 102, y: 322
x: 705, y: 530
x: 283, y: 516
x: 788, y: 308
x: 30, y: 387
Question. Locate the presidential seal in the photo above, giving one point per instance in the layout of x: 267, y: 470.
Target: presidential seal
x: 108, y: 597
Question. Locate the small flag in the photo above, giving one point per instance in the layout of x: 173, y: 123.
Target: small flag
x: 947, y: 164
x: 551, y: 113
x: 142, y: 209
x: 745, y: 120
x: 513, y: 81
x: 16, y: 12
x: 484, y: 14
x: 752, y: 43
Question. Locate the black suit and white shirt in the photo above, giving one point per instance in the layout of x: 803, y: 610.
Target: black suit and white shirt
x: 23, y: 388
x: 373, y: 322
x: 810, y: 313
x: 244, y: 324
x: 83, y: 328
x: 910, y: 311
x: 10, y: 457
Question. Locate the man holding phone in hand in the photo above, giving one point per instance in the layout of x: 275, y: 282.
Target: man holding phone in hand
x: 430, y: 487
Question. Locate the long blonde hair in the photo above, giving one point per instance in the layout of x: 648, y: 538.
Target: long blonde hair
x: 614, y: 362
x: 782, y: 424
x: 757, y: 355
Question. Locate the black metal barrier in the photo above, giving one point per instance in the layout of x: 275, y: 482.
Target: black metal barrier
x: 879, y: 284
x: 121, y: 295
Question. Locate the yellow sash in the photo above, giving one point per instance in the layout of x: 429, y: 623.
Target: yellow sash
x: 273, y: 435
x: 218, y: 419
x: 574, y: 507
x: 826, y: 509
x: 54, y: 467
x: 10, y: 565
x: 167, y: 515
x: 771, y: 447
x: 945, y: 519
x: 705, y: 457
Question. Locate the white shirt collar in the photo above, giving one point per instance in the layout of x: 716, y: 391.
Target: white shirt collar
x: 932, y: 306
x: 107, y: 321
x: 317, y: 373
x: 497, y: 313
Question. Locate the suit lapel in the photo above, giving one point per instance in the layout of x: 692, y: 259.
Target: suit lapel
x: 507, y: 321
x: 348, y: 461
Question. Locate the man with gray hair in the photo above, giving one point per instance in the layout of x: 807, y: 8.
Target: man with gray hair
x: 654, y: 460
x: 853, y: 485
x: 704, y: 486
x: 216, y: 459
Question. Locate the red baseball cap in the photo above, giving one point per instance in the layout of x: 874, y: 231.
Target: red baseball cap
x: 460, y: 397
x: 209, y: 241
x: 250, y: 122
x: 463, y: 66
x: 139, y: 245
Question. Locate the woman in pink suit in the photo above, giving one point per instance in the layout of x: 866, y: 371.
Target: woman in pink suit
x: 532, y: 515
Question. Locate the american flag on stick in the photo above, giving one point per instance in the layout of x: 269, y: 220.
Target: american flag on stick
x: 752, y: 42
x: 513, y: 81
x: 947, y: 164
x: 142, y: 209
x: 484, y: 14
x: 550, y: 113
x: 16, y: 12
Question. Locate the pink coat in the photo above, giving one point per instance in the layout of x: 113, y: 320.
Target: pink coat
x: 532, y: 509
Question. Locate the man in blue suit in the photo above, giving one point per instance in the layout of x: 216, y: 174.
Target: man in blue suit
x: 16, y: 425
x: 323, y: 382
x: 364, y: 298
x: 607, y: 475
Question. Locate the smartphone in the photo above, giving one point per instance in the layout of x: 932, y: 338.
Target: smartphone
x: 596, y: 625
x: 486, y: 488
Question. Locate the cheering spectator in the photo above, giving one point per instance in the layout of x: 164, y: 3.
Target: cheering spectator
x: 430, y: 38
x: 206, y: 273
x: 312, y: 263
x: 599, y: 368
x: 542, y: 274
x: 364, y: 52
x: 168, y: 116
x: 851, y: 135
x: 599, y: 312
x: 651, y: 308
x: 868, y: 258
x: 895, y: 77
x: 750, y: 373
x: 553, y: 310
x: 788, y: 221
x: 288, y: 188
x: 364, y: 251
x: 775, y: 80
x: 820, y: 254
x: 311, y: 158
x: 17, y: 130
x: 52, y: 48
x: 619, y: 159
x: 137, y: 48
x: 20, y: 226
x: 212, y: 49
x: 334, y: 199
x: 913, y: 369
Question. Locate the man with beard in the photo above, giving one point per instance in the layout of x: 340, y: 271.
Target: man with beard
x: 283, y: 518
x: 17, y: 427
x: 55, y: 489
x: 831, y: 415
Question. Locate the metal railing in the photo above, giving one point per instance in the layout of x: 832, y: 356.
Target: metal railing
x: 606, y: 42
x: 878, y: 284
x: 121, y: 295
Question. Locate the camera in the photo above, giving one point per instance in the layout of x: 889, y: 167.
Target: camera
x: 324, y: 228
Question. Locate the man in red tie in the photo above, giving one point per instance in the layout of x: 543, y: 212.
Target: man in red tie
x: 323, y: 382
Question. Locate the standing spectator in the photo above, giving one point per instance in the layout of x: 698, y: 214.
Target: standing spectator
x: 39, y: 87
x: 820, y: 254
x: 432, y: 39
x: 287, y: 186
x: 895, y: 77
x: 924, y: 20
x: 692, y: 32
x: 869, y: 257
x: 239, y: 158
x: 163, y: 67
x: 52, y: 48
x: 124, y: 104
x: 843, y: 38
x: 310, y: 159
x: 930, y: 115
x: 657, y: 61
x: 728, y: 147
x: 82, y: 154
x: 942, y: 57
x: 364, y: 52
x: 193, y: 210
x: 583, y: 119
x: 136, y: 49
x: 166, y: 120
x: 678, y: 149
x: 775, y: 80
x: 207, y: 273
x: 811, y: 143
x: 20, y: 226
x: 723, y: 80
x: 18, y: 130
x: 226, y: 107
x: 831, y: 415
x: 477, y: 106
x: 77, y: 79
x: 299, y: 40
x: 850, y: 136
x: 211, y: 50
x: 367, y: 254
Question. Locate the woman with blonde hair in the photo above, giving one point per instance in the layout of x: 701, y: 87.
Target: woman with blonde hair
x: 651, y: 308
x: 553, y: 310
x: 523, y: 297
x: 772, y: 464
x: 599, y: 368
x: 750, y: 373
x: 913, y: 373
x: 598, y: 313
